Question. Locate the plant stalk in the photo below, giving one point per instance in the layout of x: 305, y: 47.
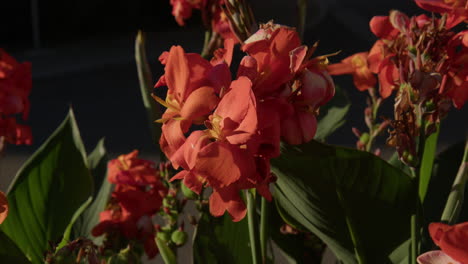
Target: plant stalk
x: 302, y: 15
x: 264, y: 229
x: 252, y: 222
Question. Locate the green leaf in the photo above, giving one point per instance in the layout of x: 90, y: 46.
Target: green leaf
x: 446, y: 166
x: 166, y: 253
x: 332, y: 115
x: 9, y: 251
x: 427, y: 162
x: 219, y: 240
x: 68, y: 230
x: 296, y: 248
x: 90, y: 218
x: 47, y: 191
x: 146, y: 86
x: 357, y: 203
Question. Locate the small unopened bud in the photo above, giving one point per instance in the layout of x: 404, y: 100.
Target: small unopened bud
x: 430, y: 106
x: 179, y: 237
x: 364, y: 139
x: 163, y: 236
x: 189, y: 194
x: 377, y: 152
x: 356, y: 132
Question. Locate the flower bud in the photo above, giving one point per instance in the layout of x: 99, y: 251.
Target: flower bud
x: 364, y: 139
x: 189, y: 194
x: 179, y: 237
x: 163, y: 236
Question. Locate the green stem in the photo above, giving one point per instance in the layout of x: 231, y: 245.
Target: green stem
x: 264, y: 229
x: 253, y: 232
x: 146, y: 86
x: 302, y: 14
x: 455, y: 200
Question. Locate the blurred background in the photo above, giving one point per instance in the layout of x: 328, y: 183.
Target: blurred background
x: 82, y: 56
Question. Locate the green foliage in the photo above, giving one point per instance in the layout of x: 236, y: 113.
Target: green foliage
x: 219, y: 240
x: 357, y: 203
x: 146, y: 86
x: 332, y: 115
x: 427, y: 163
x: 47, y: 191
x: 166, y: 252
x: 9, y: 251
x: 98, y: 164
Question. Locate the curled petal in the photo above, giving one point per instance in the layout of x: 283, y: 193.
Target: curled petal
x: 238, y: 110
x: 453, y: 240
x: 177, y: 72
x: 199, y: 103
x: 248, y: 68
x: 387, y: 77
x: 382, y: 28
x: 399, y: 20
x: 222, y: 164
x: 227, y: 200
x: 436, y: 257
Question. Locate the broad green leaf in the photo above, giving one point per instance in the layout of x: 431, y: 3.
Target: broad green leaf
x: 295, y: 248
x: 166, y: 253
x: 332, y: 115
x: 90, y: 218
x: 427, y: 162
x: 146, y: 86
x: 456, y: 198
x: 68, y: 230
x: 219, y: 240
x: 9, y: 251
x: 47, y: 191
x: 400, y: 254
x: 446, y: 166
x: 357, y: 203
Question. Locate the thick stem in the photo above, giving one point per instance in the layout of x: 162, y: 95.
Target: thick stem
x: 302, y: 14
x: 252, y: 221
x: 264, y: 229
x: 455, y: 200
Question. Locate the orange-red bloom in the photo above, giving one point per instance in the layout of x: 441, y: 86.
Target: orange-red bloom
x: 137, y: 196
x: 15, y: 86
x: 453, y: 240
x: 3, y: 207
x: 357, y: 66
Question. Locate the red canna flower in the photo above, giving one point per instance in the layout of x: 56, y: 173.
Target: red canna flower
x: 357, y: 66
x: 136, y: 198
x: 191, y: 95
x: 453, y: 240
x: 15, y: 87
x: 3, y: 207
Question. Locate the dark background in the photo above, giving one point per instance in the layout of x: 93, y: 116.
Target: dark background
x: 85, y: 59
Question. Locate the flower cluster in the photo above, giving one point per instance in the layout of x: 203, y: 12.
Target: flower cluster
x: 453, y: 240
x: 420, y: 58
x: 137, y: 196
x: 235, y: 126
x: 15, y: 87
